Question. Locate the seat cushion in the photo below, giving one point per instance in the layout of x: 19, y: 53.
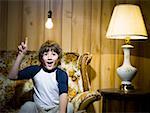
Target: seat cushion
x: 82, y: 100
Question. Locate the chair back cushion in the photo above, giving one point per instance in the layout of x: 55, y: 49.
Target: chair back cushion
x: 69, y: 63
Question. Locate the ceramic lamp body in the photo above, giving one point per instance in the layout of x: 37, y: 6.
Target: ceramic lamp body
x: 126, y: 72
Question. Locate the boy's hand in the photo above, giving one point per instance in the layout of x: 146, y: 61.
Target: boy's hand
x: 22, y: 48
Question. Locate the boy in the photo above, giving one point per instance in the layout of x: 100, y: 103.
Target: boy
x: 50, y: 82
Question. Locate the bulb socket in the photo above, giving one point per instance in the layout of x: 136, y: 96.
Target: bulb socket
x: 49, y: 14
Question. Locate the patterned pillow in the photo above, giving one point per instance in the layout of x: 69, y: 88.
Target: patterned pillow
x: 7, y: 58
x: 31, y: 58
x: 69, y: 63
x: 7, y: 91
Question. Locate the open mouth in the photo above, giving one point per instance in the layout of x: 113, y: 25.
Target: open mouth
x: 49, y: 62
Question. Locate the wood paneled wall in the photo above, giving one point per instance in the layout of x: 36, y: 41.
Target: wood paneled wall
x: 79, y: 26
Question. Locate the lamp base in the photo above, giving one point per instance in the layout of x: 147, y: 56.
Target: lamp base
x: 126, y: 87
x: 126, y: 71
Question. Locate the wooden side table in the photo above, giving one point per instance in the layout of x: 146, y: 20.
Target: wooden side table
x: 115, y: 100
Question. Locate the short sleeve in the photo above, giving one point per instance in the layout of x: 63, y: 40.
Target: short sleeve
x: 62, y: 79
x: 28, y: 72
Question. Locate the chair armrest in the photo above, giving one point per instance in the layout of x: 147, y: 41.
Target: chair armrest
x: 84, y: 62
x: 82, y: 100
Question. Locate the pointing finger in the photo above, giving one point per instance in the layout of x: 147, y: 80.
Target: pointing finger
x: 26, y: 41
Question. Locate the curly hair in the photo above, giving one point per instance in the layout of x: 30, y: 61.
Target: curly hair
x: 50, y: 46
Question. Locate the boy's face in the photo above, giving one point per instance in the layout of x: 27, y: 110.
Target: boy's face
x: 50, y: 59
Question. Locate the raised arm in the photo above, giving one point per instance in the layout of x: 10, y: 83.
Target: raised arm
x: 22, y: 49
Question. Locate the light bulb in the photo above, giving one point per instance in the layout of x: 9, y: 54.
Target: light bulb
x: 49, y: 23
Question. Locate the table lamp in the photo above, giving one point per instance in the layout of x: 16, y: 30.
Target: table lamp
x: 126, y: 23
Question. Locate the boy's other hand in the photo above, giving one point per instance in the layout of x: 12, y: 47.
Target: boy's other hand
x: 22, y: 48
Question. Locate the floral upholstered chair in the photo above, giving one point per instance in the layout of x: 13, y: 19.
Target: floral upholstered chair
x: 80, y: 93
x: 17, y: 92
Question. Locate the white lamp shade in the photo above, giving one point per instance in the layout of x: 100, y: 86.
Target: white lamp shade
x: 127, y: 21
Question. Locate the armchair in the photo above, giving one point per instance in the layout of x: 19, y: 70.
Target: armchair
x: 80, y: 93
x: 14, y: 93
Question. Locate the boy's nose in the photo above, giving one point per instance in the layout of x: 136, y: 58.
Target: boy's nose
x: 49, y: 59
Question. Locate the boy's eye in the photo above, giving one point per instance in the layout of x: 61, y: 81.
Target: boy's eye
x: 54, y: 54
x: 45, y: 54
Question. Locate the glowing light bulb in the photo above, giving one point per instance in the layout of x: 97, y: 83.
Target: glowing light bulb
x: 49, y: 23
